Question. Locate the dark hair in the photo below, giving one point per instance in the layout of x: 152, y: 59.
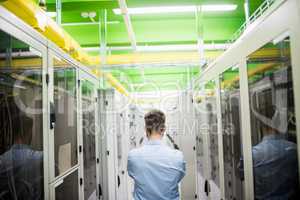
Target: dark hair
x: 155, y: 121
x: 15, y: 125
x: 22, y: 126
x: 268, y: 111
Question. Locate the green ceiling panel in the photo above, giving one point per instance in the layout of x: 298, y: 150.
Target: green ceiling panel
x: 220, y: 29
x: 84, y: 35
x: 165, y: 30
x: 117, y: 34
x: 159, y: 70
x: 153, y: 30
x: 164, y: 78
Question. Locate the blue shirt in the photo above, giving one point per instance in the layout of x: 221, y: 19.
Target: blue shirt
x: 275, y: 168
x: 156, y: 170
x: 21, y: 173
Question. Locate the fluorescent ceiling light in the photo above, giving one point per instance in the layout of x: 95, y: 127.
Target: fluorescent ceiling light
x: 51, y: 14
x: 176, y: 9
x: 113, y: 22
x: 213, y: 8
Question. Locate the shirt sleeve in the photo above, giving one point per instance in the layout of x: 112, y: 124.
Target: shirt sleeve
x: 130, y: 166
x: 182, y: 168
x: 258, y: 152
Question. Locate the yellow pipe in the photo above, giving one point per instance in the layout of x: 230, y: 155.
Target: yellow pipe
x: 33, y: 15
x: 174, y: 57
x: 27, y: 11
x: 159, y: 57
x: 116, y: 84
x: 261, y: 68
x: 26, y: 79
x: 148, y: 58
x: 23, y: 63
x: 269, y: 53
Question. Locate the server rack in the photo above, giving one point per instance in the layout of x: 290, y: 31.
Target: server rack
x: 240, y: 58
x: 14, y: 29
x: 60, y: 96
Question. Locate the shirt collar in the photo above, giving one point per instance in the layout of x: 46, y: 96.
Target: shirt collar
x: 153, y: 142
x: 273, y: 137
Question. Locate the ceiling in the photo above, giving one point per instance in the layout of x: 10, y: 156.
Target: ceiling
x: 154, y: 29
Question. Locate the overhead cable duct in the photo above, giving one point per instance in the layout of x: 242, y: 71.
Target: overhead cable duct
x: 247, y: 11
x: 58, y: 12
x: 126, y: 17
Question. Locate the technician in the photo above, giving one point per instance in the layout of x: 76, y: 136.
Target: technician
x: 275, y: 163
x: 156, y: 168
x: 21, y: 167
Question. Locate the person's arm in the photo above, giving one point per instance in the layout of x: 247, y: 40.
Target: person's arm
x: 183, y: 172
x: 182, y: 167
x: 130, y: 167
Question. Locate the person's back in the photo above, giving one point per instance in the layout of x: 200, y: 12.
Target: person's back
x: 21, y: 165
x: 156, y: 168
x: 21, y: 173
x: 275, y: 168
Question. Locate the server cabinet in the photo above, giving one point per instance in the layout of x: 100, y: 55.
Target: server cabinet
x: 201, y: 150
x: 23, y: 118
x: 136, y: 127
x: 122, y: 156
x: 133, y: 140
x: 213, y: 142
x: 173, y: 122
x: 63, y: 143
x: 208, y: 168
x: 231, y: 133
x: 273, y: 121
x: 88, y: 147
x: 265, y: 88
x: 108, y: 140
x: 102, y: 146
x: 186, y: 142
x: 68, y: 186
x: 132, y: 126
x: 122, y: 148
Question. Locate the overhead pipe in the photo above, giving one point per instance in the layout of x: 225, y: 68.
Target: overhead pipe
x: 126, y: 17
x: 58, y: 12
x: 247, y: 11
x: 103, y: 35
x: 116, y: 84
x: 200, y: 39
